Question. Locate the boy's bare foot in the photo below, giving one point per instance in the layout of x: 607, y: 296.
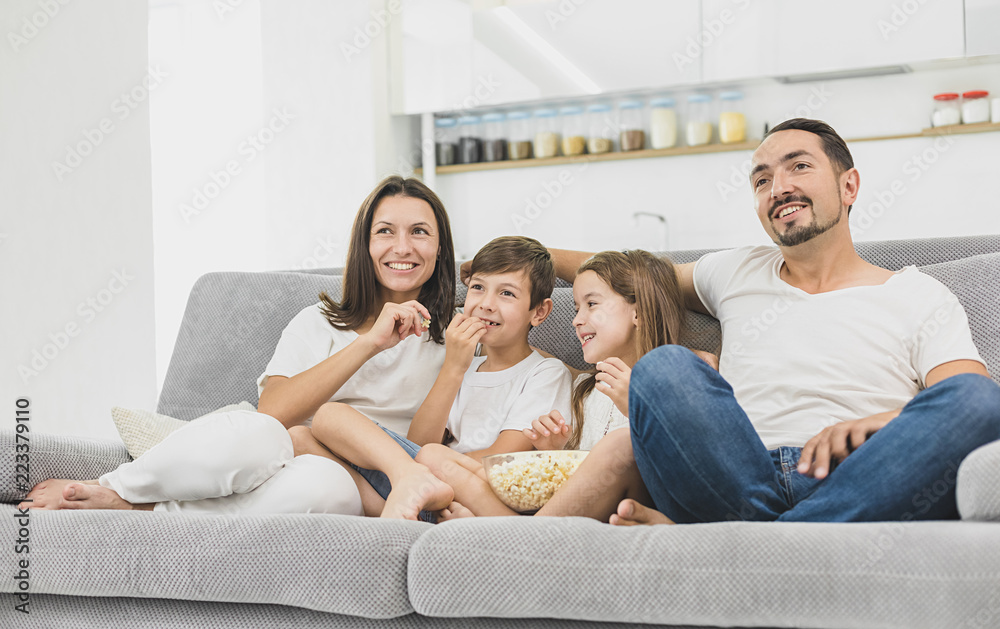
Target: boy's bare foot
x: 631, y: 513
x: 454, y: 511
x: 59, y: 493
x: 416, y: 492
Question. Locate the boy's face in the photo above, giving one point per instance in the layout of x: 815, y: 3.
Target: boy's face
x: 503, y: 302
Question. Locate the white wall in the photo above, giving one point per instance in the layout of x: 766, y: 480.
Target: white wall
x: 63, y: 240
x: 948, y: 187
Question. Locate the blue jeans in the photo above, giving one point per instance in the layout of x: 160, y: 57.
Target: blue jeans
x: 380, y: 482
x: 702, y: 460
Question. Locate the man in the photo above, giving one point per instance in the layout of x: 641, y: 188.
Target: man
x: 846, y: 392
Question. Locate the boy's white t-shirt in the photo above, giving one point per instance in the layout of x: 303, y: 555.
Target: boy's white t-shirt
x: 389, y: 388
x: 493, y: 401
x: 799, y: 362
x: 600, y: 416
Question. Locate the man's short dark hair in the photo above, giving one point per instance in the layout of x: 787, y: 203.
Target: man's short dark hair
x: 519, y: 253
x: 833, y: 145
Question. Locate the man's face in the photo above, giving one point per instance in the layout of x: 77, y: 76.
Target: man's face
x: 796, y: 189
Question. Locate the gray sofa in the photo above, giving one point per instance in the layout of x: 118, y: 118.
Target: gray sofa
x: 138, y: 569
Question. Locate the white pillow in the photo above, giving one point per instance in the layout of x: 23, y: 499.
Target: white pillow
x: 141, y: 430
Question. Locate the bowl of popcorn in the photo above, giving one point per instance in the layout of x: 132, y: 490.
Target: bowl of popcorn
x: 525, y: 481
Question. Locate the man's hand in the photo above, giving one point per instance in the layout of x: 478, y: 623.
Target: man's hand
x: 838, y: 441
x: 708, y: 357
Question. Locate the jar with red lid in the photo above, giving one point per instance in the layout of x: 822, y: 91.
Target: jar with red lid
x: 975, y: 107
x: 947, y: 110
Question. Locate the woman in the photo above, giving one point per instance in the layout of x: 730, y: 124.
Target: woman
x: 375, y: 350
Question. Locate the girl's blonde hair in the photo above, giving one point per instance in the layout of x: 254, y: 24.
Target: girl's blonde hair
x: 651, y: 284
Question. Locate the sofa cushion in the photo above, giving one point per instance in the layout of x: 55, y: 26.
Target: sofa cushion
x: 975, y: 282
x: 333, y: 563
x: 54, y: 456
x: 926, y: 574
x: 978, y: 489
x: 141, y: 430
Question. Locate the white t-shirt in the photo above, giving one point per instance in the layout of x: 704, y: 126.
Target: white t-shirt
x: 799, y: 362
x: 600, y: 416
x: 493, y: 401
x: 389, y: 388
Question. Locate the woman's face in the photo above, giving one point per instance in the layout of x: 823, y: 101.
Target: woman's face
x: 403, y: 245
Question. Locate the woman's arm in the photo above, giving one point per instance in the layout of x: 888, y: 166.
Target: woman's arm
x: 293, y: 400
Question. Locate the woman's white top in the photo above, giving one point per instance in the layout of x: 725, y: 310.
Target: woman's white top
x: 389, y: 388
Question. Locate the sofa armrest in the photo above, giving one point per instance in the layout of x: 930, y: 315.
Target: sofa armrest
x: 978, y: 489
x: 53, y: 456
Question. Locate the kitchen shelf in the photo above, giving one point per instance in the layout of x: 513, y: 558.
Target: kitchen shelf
x: 984, y: 127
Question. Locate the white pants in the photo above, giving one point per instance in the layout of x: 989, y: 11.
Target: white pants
x: 235, y: 462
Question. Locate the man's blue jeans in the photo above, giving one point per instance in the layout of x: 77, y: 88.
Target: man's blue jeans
x: 702, y: 460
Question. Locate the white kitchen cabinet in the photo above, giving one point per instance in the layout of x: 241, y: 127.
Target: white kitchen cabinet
x: 982, y: 27
x: 785, y: 38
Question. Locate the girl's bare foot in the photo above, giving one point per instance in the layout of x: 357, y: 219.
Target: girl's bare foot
x: 631, y: 513
x: 454, y: 511
x: 416, y: 492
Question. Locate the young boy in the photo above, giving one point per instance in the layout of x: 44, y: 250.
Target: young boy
x: 479, y: 405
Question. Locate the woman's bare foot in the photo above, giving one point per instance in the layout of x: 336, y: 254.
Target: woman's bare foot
x: 48, y: 494
x: 454, y: 511
x: 59, y: 493
x: 631, y: 513
x: 415, y: 492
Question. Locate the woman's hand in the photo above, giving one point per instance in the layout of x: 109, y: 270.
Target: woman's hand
x: 548, y: 432
x: 613, y: 376
x: 460, y: 341
x: 395, y: 323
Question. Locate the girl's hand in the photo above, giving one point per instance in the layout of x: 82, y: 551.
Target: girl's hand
x: 395, y: 323
x: 548, y: 432
x: 460, y: 340
x: 613, y: 376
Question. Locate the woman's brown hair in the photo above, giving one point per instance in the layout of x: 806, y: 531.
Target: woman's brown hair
x: 361, y: 288
x: 651, y: 284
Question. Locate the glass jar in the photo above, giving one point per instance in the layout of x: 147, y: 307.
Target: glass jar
x: 947, y: 110
x: 445, y: 140
x: 662, y: 123
x: 699, y: 124
x: 732, y: 122
x: 975, y: 107
x: 632, y: 135
x: 601, y: 132
x: 546, y: 133
x: 494, y: 138
x: 519, y: 131
x: 574, y: 137
x: 470, y: 140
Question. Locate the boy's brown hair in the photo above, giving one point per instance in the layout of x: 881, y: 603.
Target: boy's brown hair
x: 519, y: 253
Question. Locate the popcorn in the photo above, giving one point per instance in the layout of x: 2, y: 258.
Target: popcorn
x: 425, y: 323
x: 527, y: 481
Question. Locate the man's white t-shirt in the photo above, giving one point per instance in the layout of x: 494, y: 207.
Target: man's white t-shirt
x: 799, y: 362
x: 493, y: 401
x: 389, y: 388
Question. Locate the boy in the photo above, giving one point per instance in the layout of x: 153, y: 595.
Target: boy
x: 479, y: 405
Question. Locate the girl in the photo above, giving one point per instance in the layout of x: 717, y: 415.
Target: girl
x: 400, y: 272
x: 627, y: 304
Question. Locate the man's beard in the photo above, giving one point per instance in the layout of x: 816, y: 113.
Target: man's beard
x: 798, y: 234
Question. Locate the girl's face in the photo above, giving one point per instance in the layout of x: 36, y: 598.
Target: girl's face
x: 605, y: 322
x: 403, y: 244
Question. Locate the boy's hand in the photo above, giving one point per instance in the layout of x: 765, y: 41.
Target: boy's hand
x: 548, y: 432
x: 613, y: 376
x: 460, y: 340
x: 395, y: 323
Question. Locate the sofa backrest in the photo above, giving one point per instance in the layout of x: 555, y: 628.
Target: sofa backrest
x: 233, y: 320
